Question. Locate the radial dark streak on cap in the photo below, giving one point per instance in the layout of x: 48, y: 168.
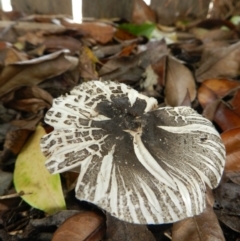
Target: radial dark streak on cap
x: 140, y: 163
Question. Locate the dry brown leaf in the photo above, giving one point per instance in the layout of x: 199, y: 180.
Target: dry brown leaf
x: 210, y: 95
x: 36, y: 38
x: 213, y: 89
x: 29, y: 99
x: 18, y: 134
x: 102, y: 51
x: 54, y: 43
x: 231, y: 140
x: 142, y: 13
x: 32, y: 72
x: 210, y: 110
x: 118, y: 230
x: 14, y: 142
x: 214, y: 23
x: 24, y: 27
x: 227, y: 198
x: 213, y: 35
x: 186, y: 100
x: 169, y: 12
x: 160, y: 69
x: 222, y: 9
x: 84, y: 226
x: 101, y: 32
x: 130, y: 68
x: 203, y: 227
x: 86, y: 65
x: 230, y: 221
x: 29, y: 105
x: 179, y: 83
x: 220, y: 62
x: 226, y: 117
x: 126, y: 51
x: 12, y: 55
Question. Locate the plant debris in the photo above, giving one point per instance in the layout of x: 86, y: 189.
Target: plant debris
x: 190, y: 63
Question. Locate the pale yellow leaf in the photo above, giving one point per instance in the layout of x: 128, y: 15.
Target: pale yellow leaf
x: 43, y: 190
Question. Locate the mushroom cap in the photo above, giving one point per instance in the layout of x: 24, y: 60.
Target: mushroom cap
x: 140, y: 163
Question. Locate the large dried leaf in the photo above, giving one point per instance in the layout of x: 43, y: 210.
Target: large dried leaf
x: 43, y: 190
x: 122, y: 231
x: 32, y: 72
x: 203, y: 227
x: 86, y: 64
x: 24, y: 27
x: 220, y: 62
x: 17, y: 135
x: 179, y: 83
x: 84, y: 226
x: 11, y: 55
x: 131, y: 68
x: 226, y: 117
x: 231, y: 140
x: 142, y: 13
x: 14, y: 142
x: 213, y: 35
x: 227, y: 194
x: 5, y: 181
x: 230, y: 221
x: 53, y: 43
x: 213, y: 89
x: 171, y: 11
x: 101, y: 32
x: 29, y: 99
x: 211, y: 95
x: 227, y: 198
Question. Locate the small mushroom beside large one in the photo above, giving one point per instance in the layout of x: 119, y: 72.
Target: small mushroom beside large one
x: 140, y: 163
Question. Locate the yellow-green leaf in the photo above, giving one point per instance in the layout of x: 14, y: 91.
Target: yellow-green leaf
x: 43, y: 190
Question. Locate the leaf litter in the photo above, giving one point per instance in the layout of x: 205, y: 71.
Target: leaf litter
x: 188, y: 63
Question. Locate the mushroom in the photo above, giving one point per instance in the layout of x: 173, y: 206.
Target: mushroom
x: 140, y: 163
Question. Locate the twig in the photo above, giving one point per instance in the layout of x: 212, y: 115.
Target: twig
x: 14, y: 195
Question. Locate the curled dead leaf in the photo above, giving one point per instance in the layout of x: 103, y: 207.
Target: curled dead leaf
x: 142, y: 13
x: 211, y: 94
x: 54, y: 43
x: 28, y: 99
x: 32, y: 72
x: 18, y: 134
x: 230, y: 221
x: 231, y: 140
x: 118, y: 230
x: 11, y: 55
x: 130, y: 68
x: 179, y: 83
x: 86, y: 64
x: 226, y: 117
x: 213, y: 89
x: 220, y: 62
x: 81, y: 227
x: 198, y: 228
x: 227, y: 198
x: 101, y: 32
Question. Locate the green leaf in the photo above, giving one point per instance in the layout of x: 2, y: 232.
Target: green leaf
x: 145, y: 29
x: 43, y: 190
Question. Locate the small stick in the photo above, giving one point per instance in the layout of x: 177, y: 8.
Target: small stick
x: 14, y: 195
